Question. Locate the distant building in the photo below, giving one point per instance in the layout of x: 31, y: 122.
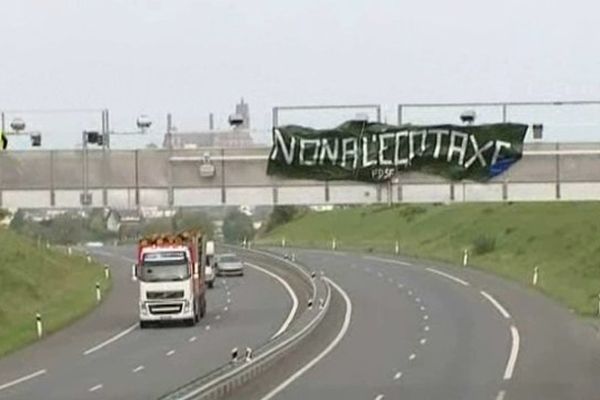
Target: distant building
x: 117, y: 219
x: 236, y: 137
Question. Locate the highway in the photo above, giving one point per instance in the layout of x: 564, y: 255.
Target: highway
x: 396, y: 328
x: 106, y: 356
x: 420, y: 330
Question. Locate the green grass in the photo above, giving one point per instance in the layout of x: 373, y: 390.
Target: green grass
x: 563, y: 239
x: 32, y: 279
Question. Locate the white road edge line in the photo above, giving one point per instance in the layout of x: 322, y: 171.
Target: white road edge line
x: 111, y: 340
x: 327, y: 350
x: 501, y: 395
x: 451, y: 277
x: 514, y: 353
x: 138, y: 368
x: 496, y: 304
x: 388, y: 260
x: 94, y: 388
x: 291, y: 293
x: 22, y: 379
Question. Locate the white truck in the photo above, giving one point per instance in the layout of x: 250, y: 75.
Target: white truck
x: 171, y: 274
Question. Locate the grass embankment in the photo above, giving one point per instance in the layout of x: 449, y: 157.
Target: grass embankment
x: 563, y: 239
x: 32, y: 279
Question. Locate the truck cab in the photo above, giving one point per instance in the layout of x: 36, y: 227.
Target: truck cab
x: 170, y: 271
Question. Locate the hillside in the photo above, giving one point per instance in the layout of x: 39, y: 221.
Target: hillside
x: 508, y: 239
x: 35, y: 279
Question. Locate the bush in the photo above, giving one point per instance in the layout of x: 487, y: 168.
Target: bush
x: 237, y: 226
x: 484, y: 244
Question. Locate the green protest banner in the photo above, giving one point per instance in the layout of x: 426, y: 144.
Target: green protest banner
x: 375, y: 152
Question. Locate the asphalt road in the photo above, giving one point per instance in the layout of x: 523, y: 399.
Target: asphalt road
x: 421, y: 330
x: 106, y: 356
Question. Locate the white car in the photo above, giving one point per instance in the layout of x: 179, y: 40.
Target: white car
x: 229, y: 264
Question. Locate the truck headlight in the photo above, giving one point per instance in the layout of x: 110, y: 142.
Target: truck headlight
x: 186, y: 306
x: 143, y: 309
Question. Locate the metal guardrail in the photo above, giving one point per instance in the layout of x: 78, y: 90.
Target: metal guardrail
x: 224, y: 379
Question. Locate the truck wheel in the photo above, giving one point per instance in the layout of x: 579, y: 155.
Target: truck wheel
x: 203, y: 309
x: 196, y: 316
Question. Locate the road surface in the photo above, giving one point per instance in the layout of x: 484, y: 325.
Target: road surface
x: 419, y: 330
x: 106, y: 356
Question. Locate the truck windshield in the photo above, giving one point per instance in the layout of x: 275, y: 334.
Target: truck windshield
x: 165, y: 266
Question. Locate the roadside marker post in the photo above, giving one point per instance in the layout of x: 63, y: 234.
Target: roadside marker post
x: 234, y: 355
x: 106, y: 271
x: 89, y: 258
x: 598, y: 304
x: 38, y: 325
x: 465, y: 257
x: 333, y: 244
x: 98, y: 292
x: 283, y: 242
x: 397, y: 247
x: 535, y: 276
x: 69, y: 250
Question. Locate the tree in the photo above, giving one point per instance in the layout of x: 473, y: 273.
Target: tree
x: 237, y: 226
x: 281, y: 215
x: 193, y: 220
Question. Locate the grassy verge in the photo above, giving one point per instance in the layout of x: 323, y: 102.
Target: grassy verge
x: 32, y: 279
x: 563, y: 239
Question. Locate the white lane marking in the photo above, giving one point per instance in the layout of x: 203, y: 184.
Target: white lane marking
x: 94, y: 388
x: 192, y: 339
x: 426, y: 328
x: 391, y: 280
x: 226, y: 308
x: 111, y: 340
x: 379, y: 274
x: 501, y: 395
x: 423, y: 341
x: 400, y: 286
x: 218, y: 317
x: 379, y: 397
x: 422, y: 308
x: 412, y: 356
x: 322, y: 354
x: 418, y: 300
x: 170, y: 353
x: 451, y: 277
x: 397, y: 376
x: 290, y: 292
x: 514, y: 353
x: 410, y: 292
x: 496, y: 304
x: 387, y: 260
x: 228, y: 294
x: 228, y: 301
x: 22, y: 379
x: 207, y: 327
x: 137, y: 369
x: 425, y: 317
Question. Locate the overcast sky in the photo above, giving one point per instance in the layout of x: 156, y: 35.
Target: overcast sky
x: 194, y: 57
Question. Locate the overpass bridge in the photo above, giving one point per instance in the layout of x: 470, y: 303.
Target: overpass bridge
x: 217, y: 177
